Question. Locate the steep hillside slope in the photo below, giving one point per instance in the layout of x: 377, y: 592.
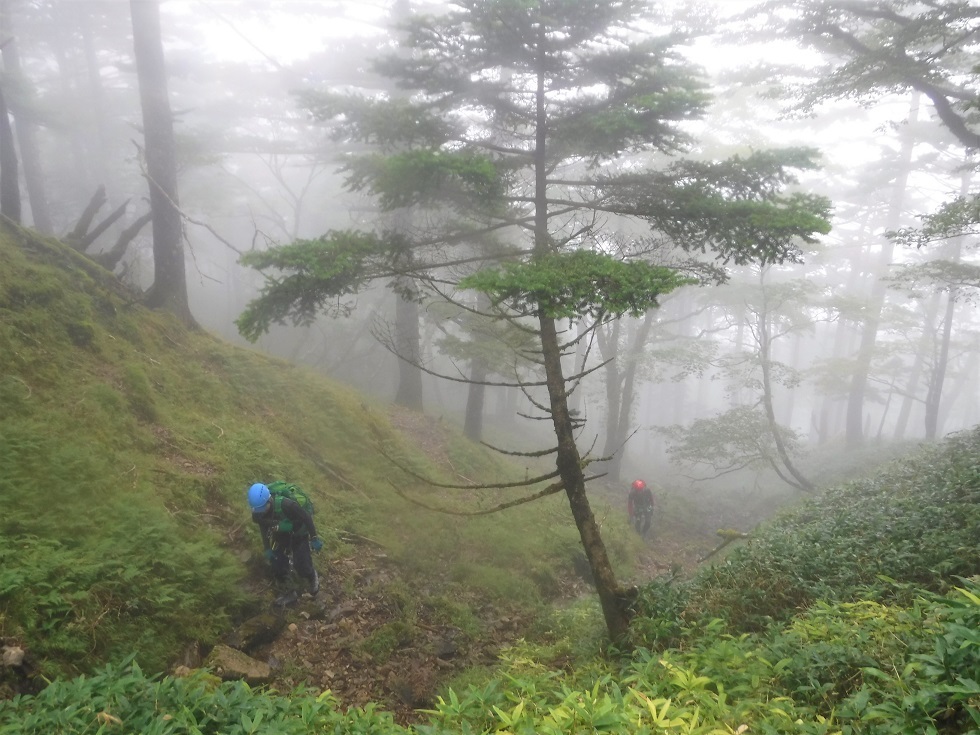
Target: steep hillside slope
x: 126, y: 444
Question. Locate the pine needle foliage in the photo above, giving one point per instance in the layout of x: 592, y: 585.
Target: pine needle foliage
x: 579, y: 283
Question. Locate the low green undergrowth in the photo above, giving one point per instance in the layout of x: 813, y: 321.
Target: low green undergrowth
x: 91, y: 573
x: 845, y: 668
x: 123, y: 699
x: 916, y: 521
x: 844, y: 652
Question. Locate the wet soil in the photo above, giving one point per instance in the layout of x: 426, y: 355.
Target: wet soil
x: 365, y: 647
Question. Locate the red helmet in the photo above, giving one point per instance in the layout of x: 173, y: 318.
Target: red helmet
x: 639, y: 485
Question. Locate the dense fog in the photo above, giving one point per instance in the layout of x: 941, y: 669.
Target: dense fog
x: 871, y: 341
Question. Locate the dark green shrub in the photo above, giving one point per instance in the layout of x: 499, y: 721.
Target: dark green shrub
x: 916, y: 523
x: 937, y: 687
x: 827, y: 650
x: 122, y: 699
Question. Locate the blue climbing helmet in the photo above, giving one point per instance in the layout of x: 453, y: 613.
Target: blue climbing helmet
x: 258, y: 496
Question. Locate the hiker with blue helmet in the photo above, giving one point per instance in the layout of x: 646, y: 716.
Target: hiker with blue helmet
x: 287, y: 530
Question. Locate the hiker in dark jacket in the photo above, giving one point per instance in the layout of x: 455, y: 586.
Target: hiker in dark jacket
x: 287, y: 531
x: 639, y: 507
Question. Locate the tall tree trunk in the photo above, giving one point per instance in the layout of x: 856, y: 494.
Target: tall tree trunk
x: 765, y: 359
x: 169, y: 290
x: 869, y: 332
x: 614, y: 603
x: 966, y: 382
x: 620, y: 378
x: 9, y: 170
x: 832, y: 419
x: 738, y: 388
x: 854, y: 430
x: 952, y: 251
x: 637, y: 340
x: 408, y: 337
x: 607, y: 339
x: 408, y: 345
x: 788, y: 404
x: 25, y: 130
x: 475, y: 399
x: 918, y: 365
x: 934, y: 393
x: 505, y: 409
x: 477, y: 391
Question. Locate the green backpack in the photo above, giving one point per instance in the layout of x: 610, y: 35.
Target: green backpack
x: 280, y: 490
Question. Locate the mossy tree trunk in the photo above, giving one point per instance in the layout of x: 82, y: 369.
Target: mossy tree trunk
x: 169, y: 289
x: 568, y: 460
x: 612, y: 598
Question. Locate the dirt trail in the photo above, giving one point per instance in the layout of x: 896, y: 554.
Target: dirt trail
x: 354, y: 640
x: 359, y: 645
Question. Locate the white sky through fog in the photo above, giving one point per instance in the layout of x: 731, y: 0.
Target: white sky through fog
x: 282, y: 38
x: 288, y: 36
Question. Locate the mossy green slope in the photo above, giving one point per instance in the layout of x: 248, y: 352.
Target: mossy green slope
x: 113, y: 531
x: 126, y: 443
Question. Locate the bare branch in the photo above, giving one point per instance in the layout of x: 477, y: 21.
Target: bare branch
x: 110, y: 258
x: 550, y: 490
x: 491, y: 486
x: 514, y: 453
x: 85, y: 221
x: 104, y: 225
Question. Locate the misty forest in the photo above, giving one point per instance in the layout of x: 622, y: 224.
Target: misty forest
x: 465, y: 272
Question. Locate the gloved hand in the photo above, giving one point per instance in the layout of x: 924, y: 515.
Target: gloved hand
x: 268, y: 555
x: 316, y: 544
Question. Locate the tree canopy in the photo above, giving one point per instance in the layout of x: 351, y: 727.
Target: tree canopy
x: 889, y: 46
x: 531, y: 132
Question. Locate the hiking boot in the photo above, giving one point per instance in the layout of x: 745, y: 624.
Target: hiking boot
x: 285, y: 599
x: 315, y: 583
